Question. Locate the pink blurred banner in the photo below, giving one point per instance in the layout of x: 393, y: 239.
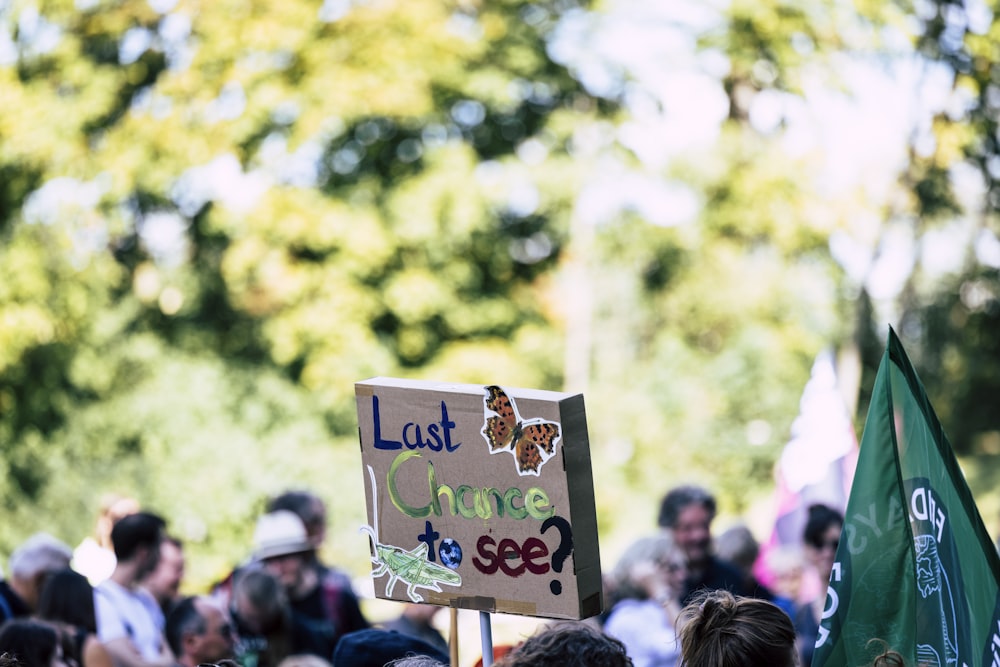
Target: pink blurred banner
x: 816, y: 465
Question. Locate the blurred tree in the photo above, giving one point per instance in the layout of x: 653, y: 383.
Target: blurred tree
x: 218, y: 216
x: 954, y: 183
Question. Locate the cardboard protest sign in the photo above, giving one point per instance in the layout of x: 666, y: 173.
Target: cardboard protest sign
x: 480, y: 497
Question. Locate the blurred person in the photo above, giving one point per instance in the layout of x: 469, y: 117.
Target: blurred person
x: 268, y: 630
x: 567, y: 643
x: 687, y: 512
x: 737, y: 546
x: 326, y: 603
x: 164, y: 583
x: 67, y: 601
x: 648, y: 581
x: 374, y: 648
x: 32, y: 643
x: 311, y: 510
x: 719, y: 629
x: 820, y: 539
x: 94, y: 557
x: 787, y: 564
x: 198, y: 631
x: 129, y: 622
x: 7, y: 660
x: 417, y: 620
x: 30, y: 566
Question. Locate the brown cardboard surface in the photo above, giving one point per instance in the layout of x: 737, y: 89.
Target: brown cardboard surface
x: 523, y: 519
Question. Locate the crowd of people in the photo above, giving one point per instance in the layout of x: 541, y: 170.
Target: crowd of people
x: 676, y: 596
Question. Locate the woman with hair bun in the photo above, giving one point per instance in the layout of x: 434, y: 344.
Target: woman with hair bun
x: 720, y: 629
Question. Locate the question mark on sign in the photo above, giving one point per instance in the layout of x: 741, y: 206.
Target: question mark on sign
x: 560, y: 555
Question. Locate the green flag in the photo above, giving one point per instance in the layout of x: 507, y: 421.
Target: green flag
x: 915, y: 566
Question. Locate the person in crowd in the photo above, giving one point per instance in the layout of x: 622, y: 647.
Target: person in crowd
x: 67, y: 601
x: 687, y: 512
x: 268, y: 630
x: 417, y: 620
x: 129, y: 622
x: 737, y: 546
x: 567, y: 643
x: 311, y: 510
x: 31, y: 564
x: 198, y: 631
x: 787, y: 563
x: 648, y: 581
x: 282, y: 545
x: 719, y: 629
x: 164, y: 583
x: 94, y: 557
x: 32, y: 643
x: 374, y: 648
x: 820, y: 537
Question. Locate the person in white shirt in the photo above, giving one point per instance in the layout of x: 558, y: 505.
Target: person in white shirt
x: 646, y: 586
x: 94, y: 557
x: 126, y: 624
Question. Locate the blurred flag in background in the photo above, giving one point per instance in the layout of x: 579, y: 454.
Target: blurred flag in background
x: 816, y: 466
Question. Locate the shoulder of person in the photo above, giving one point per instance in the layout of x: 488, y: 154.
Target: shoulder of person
x: 94, y: 653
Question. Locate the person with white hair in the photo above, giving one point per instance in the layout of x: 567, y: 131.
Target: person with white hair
x: 647, y: 584
x: 30, y: 565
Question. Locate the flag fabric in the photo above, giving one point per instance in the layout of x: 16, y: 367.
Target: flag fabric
x: 915, y: 567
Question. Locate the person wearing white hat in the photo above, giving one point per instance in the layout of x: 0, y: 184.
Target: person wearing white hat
x: 283, y: 546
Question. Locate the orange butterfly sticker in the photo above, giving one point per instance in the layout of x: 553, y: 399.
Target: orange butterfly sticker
x: 532, y: 442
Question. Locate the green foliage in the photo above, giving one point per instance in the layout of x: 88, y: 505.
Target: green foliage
x: 215, y: 217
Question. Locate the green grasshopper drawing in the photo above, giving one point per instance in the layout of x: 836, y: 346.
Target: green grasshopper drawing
x: 410, y: 567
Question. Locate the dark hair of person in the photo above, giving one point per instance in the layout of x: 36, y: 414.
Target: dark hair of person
x: 33, y: 643
x: 182, y: 619
x: 264, y: 592
x: 679, y: 498
x: 819, y: 520
x: 131, y: 532
x: 68, y: 597
x: 719, y: 629
x: 568, y: 643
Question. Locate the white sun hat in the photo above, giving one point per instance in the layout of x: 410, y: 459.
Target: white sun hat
x: 279, y: 533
